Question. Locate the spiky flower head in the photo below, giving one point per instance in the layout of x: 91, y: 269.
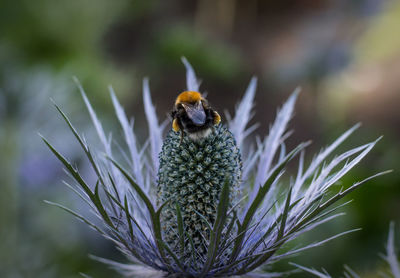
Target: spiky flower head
x: 190, y: 179
x: 166, y: 223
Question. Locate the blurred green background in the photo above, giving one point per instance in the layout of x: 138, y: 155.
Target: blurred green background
x: 344, y: 54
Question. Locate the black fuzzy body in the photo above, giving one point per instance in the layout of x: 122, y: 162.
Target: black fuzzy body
x: 186, y: 124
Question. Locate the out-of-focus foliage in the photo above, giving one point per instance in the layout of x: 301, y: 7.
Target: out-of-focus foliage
x: 391, y: 269
x: 344, y: 54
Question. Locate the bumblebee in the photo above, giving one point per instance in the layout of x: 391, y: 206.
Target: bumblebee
x: 193, y: 116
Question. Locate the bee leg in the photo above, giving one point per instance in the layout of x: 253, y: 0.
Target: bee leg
x: 180, y: 141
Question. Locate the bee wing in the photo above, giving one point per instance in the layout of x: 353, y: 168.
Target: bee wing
x: 195, y: 113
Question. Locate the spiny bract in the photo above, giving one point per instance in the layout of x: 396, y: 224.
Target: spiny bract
x: 191, y: 175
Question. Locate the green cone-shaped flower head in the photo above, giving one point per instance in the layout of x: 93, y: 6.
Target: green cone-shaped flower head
x: 192, y: 174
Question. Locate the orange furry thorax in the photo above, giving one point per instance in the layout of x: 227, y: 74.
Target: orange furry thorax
x: 188, y: 97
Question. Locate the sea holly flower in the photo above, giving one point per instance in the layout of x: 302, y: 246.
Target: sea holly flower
x: 191, y: 178
x: 190, y: 206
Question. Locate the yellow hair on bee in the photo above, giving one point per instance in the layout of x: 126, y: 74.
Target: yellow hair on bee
x: 217, y: 118
x: 175, y: 125
x: 188, y: 97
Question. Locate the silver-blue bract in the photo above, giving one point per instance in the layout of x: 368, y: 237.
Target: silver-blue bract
x: 271, y: 212
x: 390, y: 258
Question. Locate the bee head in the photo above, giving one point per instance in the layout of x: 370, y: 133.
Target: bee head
x: 193, y: 115
x: 188, y: 97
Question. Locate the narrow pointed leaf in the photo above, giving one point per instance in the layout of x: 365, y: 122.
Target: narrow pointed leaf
x: 218, y: 226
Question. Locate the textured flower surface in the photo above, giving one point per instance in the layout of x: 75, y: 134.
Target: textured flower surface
x: 191, y: 177
x: 187, y: 208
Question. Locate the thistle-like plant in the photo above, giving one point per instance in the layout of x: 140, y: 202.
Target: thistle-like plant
x: 251, y: 211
